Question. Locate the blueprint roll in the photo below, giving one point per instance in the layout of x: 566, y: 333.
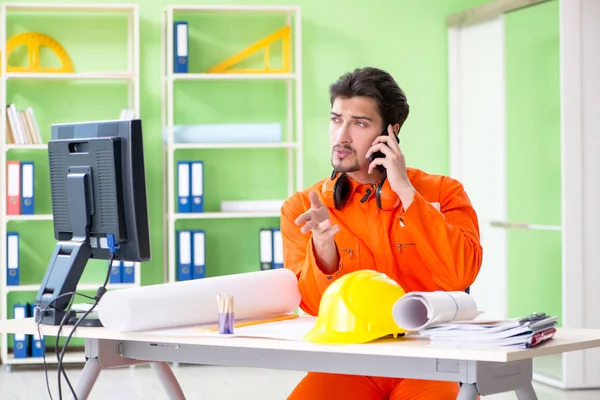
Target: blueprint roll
x: 418, y: 310
x: 256, y: 294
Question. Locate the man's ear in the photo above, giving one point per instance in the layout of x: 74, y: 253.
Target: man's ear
x: 396, y: 129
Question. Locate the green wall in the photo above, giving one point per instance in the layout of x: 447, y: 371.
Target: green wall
x: 533, y: 158
x: 337, y: 37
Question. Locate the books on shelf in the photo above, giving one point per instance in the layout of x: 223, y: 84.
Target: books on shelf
x: 21, y: 126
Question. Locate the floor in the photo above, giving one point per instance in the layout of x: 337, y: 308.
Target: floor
x: 198, y: 382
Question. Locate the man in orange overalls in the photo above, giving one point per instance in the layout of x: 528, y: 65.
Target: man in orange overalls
x: 375, y: 213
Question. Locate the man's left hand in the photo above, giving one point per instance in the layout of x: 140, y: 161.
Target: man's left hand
x: 395, y: 164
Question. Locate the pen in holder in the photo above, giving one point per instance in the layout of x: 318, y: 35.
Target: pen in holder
x: 226, y: 320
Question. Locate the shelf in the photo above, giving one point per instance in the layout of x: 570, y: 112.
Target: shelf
x: 80, y: 287
x: 233, y: 8
x: 282, y: 145
x: 232, y: 76
x: 9, y: 147
x: 71, y: 357
x: 226, y: 215
x: 36, y: 7
x: 71, y: 76
x: 32, y: 217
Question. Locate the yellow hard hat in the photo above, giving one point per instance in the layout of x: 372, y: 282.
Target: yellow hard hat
x: 357, y: 308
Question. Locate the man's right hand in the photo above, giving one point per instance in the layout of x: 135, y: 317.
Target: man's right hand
x: 316, y: 220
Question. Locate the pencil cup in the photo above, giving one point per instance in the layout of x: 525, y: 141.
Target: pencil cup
x: 226, y: 321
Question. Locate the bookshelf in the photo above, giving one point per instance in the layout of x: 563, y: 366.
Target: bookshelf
x: 287, y: 151
x: 127, y: 76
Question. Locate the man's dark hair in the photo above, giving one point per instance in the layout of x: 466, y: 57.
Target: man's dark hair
x: 378, y: 85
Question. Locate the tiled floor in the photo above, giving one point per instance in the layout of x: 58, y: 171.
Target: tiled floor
x: 198, y: 382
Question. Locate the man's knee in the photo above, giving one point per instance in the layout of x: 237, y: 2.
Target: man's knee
x: 322, y: 386
x: 416, y: 389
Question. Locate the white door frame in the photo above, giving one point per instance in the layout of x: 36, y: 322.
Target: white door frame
x: 580, y: 160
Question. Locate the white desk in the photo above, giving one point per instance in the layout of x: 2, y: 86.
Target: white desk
x: 481, y: 372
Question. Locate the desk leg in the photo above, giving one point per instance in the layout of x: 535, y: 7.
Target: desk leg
x: 468, y: 391
x: 88, y: 378
x: 168, y: 380
x: 526, y: 393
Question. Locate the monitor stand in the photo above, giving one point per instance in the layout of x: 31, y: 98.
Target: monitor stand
x: 70, y: 257
x: 91, y: 320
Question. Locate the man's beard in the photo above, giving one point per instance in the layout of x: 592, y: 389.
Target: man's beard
x: 344, y: 169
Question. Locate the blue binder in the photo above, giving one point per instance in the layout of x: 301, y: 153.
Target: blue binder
x: 277, y: 249
x: 265, y: 237
x: 21, y: 340
x: 180, y: 47
x: 128, y: 272
x: 38, y: 344
x: 184, y: 255
x: 13, y: 259
x: 197, y: 186
x: 115, y: 271
x: 27, y: 187
x: 199, y: 254
x: 184, y: 180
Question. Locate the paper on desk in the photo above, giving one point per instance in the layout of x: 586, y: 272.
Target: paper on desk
x: 293, y: 329
x: 419, y: 310
x: 256, y: 294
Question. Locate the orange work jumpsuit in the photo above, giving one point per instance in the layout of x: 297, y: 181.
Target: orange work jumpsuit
x: 432, y: 245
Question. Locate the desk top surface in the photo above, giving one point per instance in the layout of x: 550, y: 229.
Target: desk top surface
x: 566, y: 340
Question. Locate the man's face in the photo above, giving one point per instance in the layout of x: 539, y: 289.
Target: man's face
x: 355, y: 123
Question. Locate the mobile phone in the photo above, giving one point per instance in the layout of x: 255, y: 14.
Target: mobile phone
x: 379, y: 154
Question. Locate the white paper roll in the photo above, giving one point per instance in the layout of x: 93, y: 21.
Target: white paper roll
x: 256, y: 294
x: 419, y: 310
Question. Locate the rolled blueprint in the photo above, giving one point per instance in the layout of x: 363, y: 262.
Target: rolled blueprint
x: 419, y: 310
x: 256, y: 294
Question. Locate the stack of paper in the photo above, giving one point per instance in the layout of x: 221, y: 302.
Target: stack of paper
x: 512, y: 333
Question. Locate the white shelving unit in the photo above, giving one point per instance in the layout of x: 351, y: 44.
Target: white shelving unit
x: 293, y: 131
x: 131, y: 77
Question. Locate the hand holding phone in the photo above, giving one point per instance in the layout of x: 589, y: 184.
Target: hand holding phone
x: 379, y: 154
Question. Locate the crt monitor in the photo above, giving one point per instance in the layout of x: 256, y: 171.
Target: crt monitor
x: 99, y: 207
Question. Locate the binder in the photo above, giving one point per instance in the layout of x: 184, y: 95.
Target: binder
x: 183, y: 186
x: 197, y: 183
x: 13, y: 187
x: 21, y: 340
x: 128, y: 272
x: 184, y: 255
x: 12, y: 259
x: 199, y: 254
x: 115, y: 272
x: 180, y: 47
x: 38, y: 344
x: 266, y: 249
x: 277, y: 249
x: 27, y: 174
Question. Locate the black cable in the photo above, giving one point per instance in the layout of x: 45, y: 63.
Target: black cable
x: 99, y: 294
x: 40, y: 334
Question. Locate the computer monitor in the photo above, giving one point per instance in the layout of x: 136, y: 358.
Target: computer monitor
x: 99, y: 207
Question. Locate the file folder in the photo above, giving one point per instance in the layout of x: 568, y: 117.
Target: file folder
x: 13, y: 259
x: 277, y: 249
x: 197, y: 186
x: 180, y: 47
x: 115, y: 271
x: 266, y: 249
x: 21, y: 340
x: 38, y: 344
x: 184, y: 255
x: 27, y: 181
x: 183, y: 186
x: 128, y: 272
x: 13, y: 187
x: 199, y: 253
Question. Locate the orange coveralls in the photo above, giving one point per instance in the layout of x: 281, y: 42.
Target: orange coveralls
x: 432, y: 245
